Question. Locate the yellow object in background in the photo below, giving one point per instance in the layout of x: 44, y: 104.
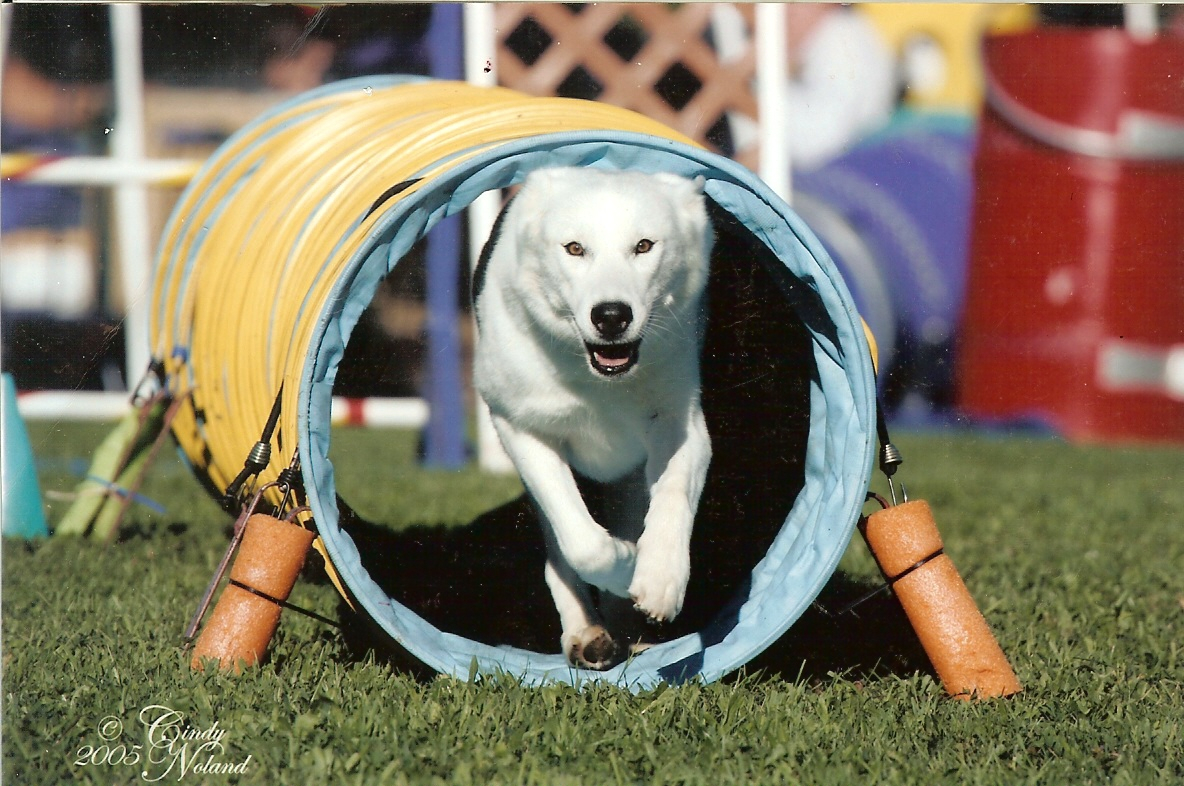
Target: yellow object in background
x: 938, y: 45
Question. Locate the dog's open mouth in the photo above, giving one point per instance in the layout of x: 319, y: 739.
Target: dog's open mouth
x: 613, y: 359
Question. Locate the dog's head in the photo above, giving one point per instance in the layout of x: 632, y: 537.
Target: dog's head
x: 618, y: 260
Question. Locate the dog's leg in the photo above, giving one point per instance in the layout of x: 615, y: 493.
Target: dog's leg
x: 620, y: 507
x: 676, y: 470
x: 596, y: 556
x: 585, y: 641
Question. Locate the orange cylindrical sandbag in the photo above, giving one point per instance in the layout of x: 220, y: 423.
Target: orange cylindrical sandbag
x: 241, y: 626
x: 968, y: 660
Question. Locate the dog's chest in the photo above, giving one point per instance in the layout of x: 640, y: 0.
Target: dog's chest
x: 601, y: 437
x: 605, y: 445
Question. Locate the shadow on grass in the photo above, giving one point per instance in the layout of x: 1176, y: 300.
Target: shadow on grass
x: 484, y: 581
x: 872, y: 640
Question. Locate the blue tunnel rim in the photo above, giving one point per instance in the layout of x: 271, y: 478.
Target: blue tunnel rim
x: 842, y: 404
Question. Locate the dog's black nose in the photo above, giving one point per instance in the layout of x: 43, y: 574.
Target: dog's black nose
x: 611, y: 319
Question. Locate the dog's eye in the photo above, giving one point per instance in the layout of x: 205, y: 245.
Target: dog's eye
x: 644, y: 246
x: 574, y: 249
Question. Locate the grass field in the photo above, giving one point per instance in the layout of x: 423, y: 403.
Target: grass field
x: 1075, y: 555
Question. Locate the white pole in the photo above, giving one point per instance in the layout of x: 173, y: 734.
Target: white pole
x: 84, y: 405
x: 5, y: 22
x: 480, y: 45
x: 772, y: 84
x: 97, y: 170
x: 481, y: 70
x: 1141, y: 20
x: 72, y: 405
x: 131, y: 198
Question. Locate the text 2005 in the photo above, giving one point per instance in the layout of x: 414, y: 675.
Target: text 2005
x: 109, y: 752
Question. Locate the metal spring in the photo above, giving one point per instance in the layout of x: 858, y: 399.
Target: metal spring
x: 890, y: 458
x: 260, y: 455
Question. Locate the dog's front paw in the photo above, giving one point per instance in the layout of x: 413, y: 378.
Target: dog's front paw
x: 660, y: 581
x: 592, y: 648
x: 606, y: 563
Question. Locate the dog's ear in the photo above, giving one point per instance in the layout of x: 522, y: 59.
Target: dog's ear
x: 687, y: 192
x: 537, y: 188
x: 541, y: 180
x: 689, y: 185
x: 688, y: 197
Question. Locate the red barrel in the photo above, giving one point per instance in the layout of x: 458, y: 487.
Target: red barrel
x: 1075, y: 293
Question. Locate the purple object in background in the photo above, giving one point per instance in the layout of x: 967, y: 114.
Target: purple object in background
x: 906, y: 194
x: 31, y: 205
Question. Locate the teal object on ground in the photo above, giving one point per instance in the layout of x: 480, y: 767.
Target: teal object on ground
x: 23, y: 514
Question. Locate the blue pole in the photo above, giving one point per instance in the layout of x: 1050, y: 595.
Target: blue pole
x: 444, y: 442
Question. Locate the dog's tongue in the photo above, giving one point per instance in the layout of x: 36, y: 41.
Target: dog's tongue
x: 612, y: 357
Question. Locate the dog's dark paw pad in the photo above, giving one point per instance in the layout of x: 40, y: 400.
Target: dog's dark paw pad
x: 599, y: 652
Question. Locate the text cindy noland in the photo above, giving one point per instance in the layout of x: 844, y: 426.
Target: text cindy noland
x: 167, y: 747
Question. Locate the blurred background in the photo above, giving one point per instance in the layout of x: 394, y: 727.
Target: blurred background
x: 1002, y: 186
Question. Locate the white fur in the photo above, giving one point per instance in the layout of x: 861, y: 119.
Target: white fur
x: 641, y: 430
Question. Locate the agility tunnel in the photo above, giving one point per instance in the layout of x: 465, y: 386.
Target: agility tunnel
x: 279, y: 244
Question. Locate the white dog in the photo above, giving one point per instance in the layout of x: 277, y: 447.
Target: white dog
x: 589, y: 300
